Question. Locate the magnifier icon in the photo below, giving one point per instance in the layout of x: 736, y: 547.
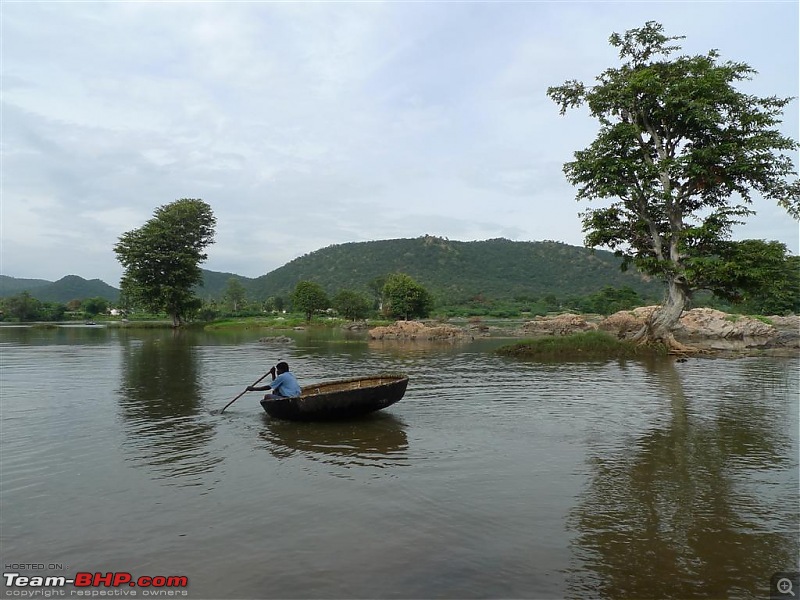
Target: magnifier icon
x: 784, y: 586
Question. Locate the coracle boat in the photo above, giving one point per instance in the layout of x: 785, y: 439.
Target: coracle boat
x: 342, y: 399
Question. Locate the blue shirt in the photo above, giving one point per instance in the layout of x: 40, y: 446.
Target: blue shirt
x: 285, y: 385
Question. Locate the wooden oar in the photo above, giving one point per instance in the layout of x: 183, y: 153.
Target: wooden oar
x: 245, y: 390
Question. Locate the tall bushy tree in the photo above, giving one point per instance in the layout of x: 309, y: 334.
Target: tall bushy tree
x: 22, y: 307
x: 679, y: 153
x: 309, y: 297
x: 235, y: 295
x: 94, y: 306
x: 162, y: 258
x: 403, y: 297
x: 351, y: 304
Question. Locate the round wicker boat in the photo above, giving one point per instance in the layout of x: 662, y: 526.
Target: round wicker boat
x: 342, y: 399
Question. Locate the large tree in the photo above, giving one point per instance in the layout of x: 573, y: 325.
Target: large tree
x: 679, y: 154
x: 235, y: 295
x: 404, y: 297
x: 351, y: 304
x: 309, y: 297
x: 162, y: 258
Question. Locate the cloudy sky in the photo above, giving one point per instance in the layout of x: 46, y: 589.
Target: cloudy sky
x: 306, y: 124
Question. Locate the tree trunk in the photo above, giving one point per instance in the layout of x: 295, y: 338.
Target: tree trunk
x: 659, y: 326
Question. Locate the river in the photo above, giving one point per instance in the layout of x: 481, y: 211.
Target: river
x: 492, y: 477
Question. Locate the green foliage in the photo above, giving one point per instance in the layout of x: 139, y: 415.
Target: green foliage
x: 679, y: 153
x: 453, y: 271
x: 258, y: 323
x: 309, y: 297
x: 274, y: 304
x: 590, y: 345
x: 757, y: 275
x: 162, y: 258
x: 351, y: 305
x: 94, y: 306
x: 403, y: 297
x: 214, y: 284
x: 10, y: 286
x: 607, y: 301
x: 235, y: 295
x: 778, y: 289
x: 65, y: 289
x: 208, y: 311
x: 24, y: 307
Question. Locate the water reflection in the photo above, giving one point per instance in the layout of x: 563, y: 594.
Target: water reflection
x: 681, y: 512
x: 377, y: 440
x: 160, y: 400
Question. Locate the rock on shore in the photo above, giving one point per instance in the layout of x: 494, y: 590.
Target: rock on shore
x: 565, y: 324
x: 698, y: 325
x: 415, y: 330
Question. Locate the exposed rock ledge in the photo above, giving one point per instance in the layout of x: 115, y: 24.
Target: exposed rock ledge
x: 696, y: 325
x: 415, y: 330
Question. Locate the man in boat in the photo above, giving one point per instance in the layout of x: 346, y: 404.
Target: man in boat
x: 284, y: 385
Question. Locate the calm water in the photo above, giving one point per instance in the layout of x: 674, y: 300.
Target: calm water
x: 491, y: 478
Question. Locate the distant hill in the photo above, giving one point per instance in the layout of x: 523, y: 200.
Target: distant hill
x: 215, y: 283
x: 73, y: 287
x: 453, y: 271
x: 457, y: 271
x: 9, y: 286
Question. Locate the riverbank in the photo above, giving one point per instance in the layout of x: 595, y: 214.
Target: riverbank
x: 708, y: 330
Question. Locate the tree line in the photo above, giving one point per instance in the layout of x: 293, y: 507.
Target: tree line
x: 23, y: 307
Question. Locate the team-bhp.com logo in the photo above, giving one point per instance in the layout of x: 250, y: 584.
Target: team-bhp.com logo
x: 118, y: 579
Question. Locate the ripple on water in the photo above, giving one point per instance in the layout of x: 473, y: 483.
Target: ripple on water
x: 491, y: 477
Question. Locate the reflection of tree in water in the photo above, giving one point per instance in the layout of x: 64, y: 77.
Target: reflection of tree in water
x: 377, y: 440
x: 674, y: 516
x: 160, y: 396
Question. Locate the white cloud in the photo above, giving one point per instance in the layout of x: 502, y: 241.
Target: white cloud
x: 310, y: 124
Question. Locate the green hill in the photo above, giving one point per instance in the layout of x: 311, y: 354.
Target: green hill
x: 457, y: 271
x: 452, y: 271
x: 73, y: 287
x: 10, y: 286
x: 215, y: 283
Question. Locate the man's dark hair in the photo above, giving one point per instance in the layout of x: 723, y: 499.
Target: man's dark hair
x: 282, y: 367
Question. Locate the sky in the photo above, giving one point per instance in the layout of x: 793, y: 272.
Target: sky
x: 308, y: 124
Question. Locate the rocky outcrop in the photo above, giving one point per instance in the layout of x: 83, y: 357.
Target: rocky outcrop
x: 416, y: 330
x: 710, y: 323
x: 623, y: 324
x: 565, y: 324
x: 701, y: 324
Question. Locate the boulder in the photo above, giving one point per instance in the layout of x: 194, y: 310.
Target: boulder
x: 565, y: 324
x: 623, y: 324
x: 701, y: 323
x: 710, y: 323
x: 416, y: 330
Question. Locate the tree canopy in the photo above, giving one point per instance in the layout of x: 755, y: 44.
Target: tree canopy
x: 680, y: 154
x: 308, y: 298
x: 235, y: 295
x: 162, y: 258
x: 351, y: 304
x: 403, y: 297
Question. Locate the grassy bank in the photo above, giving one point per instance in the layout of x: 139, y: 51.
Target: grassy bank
x: 287, y: 322
x: 591, y: 345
